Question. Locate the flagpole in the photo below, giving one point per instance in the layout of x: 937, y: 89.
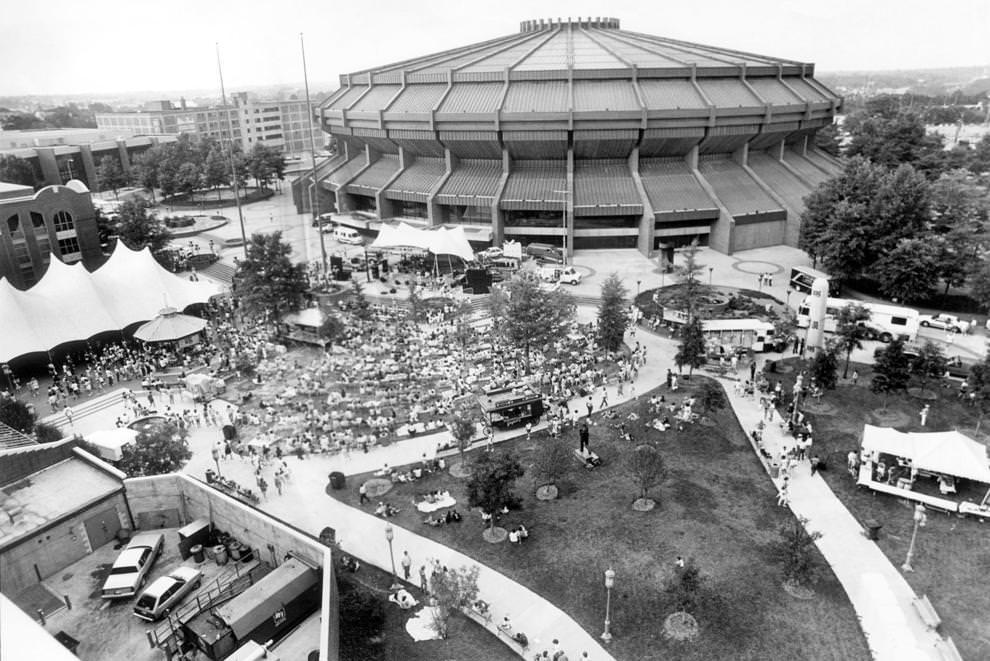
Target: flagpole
x: 230, y: 152
x: 315, y: 199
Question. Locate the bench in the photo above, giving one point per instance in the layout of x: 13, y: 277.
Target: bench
x: 927, y: 612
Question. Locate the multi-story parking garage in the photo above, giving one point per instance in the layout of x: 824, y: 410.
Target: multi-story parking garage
x: 580, y: 129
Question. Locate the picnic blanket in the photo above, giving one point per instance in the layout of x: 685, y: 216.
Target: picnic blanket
x: 443, y: 503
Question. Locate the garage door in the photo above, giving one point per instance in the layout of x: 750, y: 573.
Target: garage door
x: 102, y: 527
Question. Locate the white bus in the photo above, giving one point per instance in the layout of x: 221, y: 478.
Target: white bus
x: 885, y: 323
x: 747, y: 333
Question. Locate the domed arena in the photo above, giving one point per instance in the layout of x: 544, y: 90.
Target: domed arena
x: 580, y: 133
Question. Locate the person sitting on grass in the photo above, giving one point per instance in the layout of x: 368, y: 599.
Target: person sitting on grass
x: 452, y: 516
x: 350, y: 564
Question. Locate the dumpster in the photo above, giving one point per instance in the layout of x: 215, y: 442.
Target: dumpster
x: 873, y: 529
x: 197, y: 532
x: 197, y: 553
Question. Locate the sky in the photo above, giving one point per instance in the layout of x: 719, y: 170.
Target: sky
x: 108, y: 46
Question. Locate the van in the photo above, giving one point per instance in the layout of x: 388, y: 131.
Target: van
x: 348, y: 235
x: 546, y: 252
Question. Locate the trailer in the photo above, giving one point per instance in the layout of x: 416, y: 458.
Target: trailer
x: 507, y: 407
x: 266, y: 611
x: 886, y: 322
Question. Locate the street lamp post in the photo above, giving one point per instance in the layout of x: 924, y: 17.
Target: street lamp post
x: 390, y: 535
x: 920, y: 519
x: 638, y: 283
x: 710, y: 269
x: 609, y: 583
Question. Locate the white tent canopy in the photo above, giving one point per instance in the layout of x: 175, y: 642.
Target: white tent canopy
x: 947, y: 453
x: 70, y: 304
x: 439, y: 241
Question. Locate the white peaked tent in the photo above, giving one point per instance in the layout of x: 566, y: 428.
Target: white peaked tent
x: 439, y: 241
x: 70, y: 304
x: 946, y: 453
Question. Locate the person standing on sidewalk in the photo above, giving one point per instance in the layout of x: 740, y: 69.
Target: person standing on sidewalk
x: 406, y: 564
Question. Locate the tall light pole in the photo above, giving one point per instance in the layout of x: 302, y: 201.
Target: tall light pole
x: 710, y: 270
x: 315, y: 199
x: 230, y: 153
x: 920, y: 519
x: 609, y: 584
x: 390, y: 535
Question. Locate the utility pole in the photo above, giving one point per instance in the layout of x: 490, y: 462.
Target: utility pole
x: 315, y: 200
x: 230, y: 152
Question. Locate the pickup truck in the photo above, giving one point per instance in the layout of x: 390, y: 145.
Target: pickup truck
x: 564, y: 274
x: 944, y: 321
x: 130, y: 570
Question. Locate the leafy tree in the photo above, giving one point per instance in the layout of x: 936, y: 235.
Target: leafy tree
x: 453, y: 589
x: 22, y: 121
x: 979, y: 386
x: 613, y: 313
x: 689, y: 273
x: 265, y: 163
x: 891, y: 369
x: 528, y: 316
x: 980, y: 284
x: 647, y: 469
x: 493, y: 476
x: 691, y: 351
x: 160, y: 450
x: 827, y: 139
x: 16, y: 414
x: 267, y: 282
x: 795, y: 550
x: 15, y: 170
x: 215, y: 171
x: 980, y: 159
x: 110, y: 175
x: 137, y: 228
x: 893, y: 140
x: 45, y: 433
x: 462, y: 426
x: 711, y: 397
x: 930, y: 362
x: 909, y: 272
x: 188, y: 179
x: 684, y: 587
x: 825, y: 368
x: 362, y: 308
x: 552, y: 461
x: 850, y: 331
x: 331, y: 328
x: 146, y: 167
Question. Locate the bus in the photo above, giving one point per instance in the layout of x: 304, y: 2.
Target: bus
x: 744, y: 333
x: 885, y: 323
x: 802, y: 277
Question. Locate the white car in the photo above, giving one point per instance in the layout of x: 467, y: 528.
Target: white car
x: 166, y: 592
x: 945, y: 322
x: 131, y: 568
x: 562, y: 274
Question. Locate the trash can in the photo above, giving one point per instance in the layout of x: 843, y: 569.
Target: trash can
x: 873, y: 529
x: 233, y: 547
x: 337, y: 480
x: 197, y: 553
x: 220, y: 554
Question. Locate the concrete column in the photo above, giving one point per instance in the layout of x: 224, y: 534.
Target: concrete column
x: 49, y: 166
x: 647, y: 222
x: 89, y: 167
x: 125, y: 158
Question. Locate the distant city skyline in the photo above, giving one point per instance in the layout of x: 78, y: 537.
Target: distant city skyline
x: 115, y: 47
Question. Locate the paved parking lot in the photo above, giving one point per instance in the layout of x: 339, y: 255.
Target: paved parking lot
x: 106, y: 630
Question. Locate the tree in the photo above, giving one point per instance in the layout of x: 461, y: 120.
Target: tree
x: 45, y: 433
x: 691, y: 351
x: 891, y: 370
x: 711, y: 397
x: 613, y: 313
x: 265, y: 163
x: 215, y: 171
x: 827, y: 139
x: 850, y: 330
x: 909, y: 272
x: 552, y: 461
x: 110, y: 175
x: 892, y: 140
x: 267, y: 282
x: 979, y: 386
x: 462, y: 427
x: 452, y: 589
x: 688, y: 272
x: 15, y: 170
x: 146, y: 168
x: 825, y: 368
x: 138, y: 229
x: 16, y: 414
x: 795, y: 550
x: 528, y: 316
x: 362, y: 308
x: 930, y: 362
x: 647, y: 469
x: 188, y: 179
x: 331, y: 328
x: 160, y: 450
x: 493, y: 477
x: 980, y: 283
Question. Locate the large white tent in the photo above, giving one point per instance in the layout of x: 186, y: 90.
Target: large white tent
x: 945, y: 453
x: 71, y: 304
x: 439, y: 241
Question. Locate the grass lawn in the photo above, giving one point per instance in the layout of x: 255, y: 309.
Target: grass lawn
x: 717, y: 506
x: 952, y: 555
x: 466, y: 639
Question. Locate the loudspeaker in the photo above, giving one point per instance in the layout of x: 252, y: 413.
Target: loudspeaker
x: 478, y: 280
x: 336, y: 263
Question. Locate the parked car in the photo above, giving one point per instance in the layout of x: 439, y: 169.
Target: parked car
x: 490, y: 254
x: 166, y: 592
x: 546, y: 252
x: 131, y: 568
x: 947, y: 322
